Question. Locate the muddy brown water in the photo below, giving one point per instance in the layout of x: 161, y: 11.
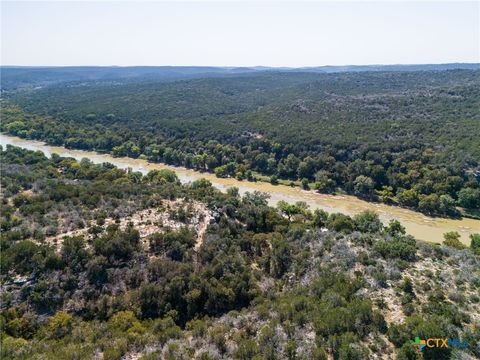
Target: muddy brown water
x: 420, y: 226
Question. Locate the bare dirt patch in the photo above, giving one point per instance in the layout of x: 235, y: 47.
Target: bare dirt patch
x: 195, y: 216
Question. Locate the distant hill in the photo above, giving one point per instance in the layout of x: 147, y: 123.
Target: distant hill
x: 13, y: 77
x: 399, y: 67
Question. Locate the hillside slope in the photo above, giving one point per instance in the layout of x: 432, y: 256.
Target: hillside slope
x: 100, y: 262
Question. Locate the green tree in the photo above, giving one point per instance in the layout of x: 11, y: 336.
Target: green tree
x: 408, y: 352
x: 306, y: 168
x: 429, y: 204
x: 74, y: 253
x: 447, y: 205
x: 221, y: 171
x: 59, y: 325
x: 469, y: 198
x: 395, y: 228
x: 299, y: 208
x: 475, y: 243
x: 368, y: 221
x: 407, y: 197
x: 386, y: 194
x: 340, y: 222
x: 161, y: 176
x: 125, y: 321
x: 324, y: 183
x: 452, y: 239
x: 305, y: 184
x: 15, y: 127
x: 280, y: 258
x: 320, y: 218
x: 363, y: 186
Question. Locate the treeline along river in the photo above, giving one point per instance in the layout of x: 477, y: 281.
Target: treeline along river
x: 418, y: 225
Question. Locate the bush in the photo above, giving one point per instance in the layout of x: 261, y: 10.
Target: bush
x: 246, y: 350
x: 173, y: 243
x: 394, y: 228
x: 320, y: 218
x: 367, y: 221
x: 340, y: 223
x: 274, y: 180
x: 280, y: 258
x: 125, y: 321
x: 408, y: 352
x: 452, y: 239
x: 469, y: 198
x: 161, y: 176
x: 59, y: 325
x: 74, y: 252
x: 23, y: 257
x: 117, y: 245
x: 475, y: 243
x: 402, y: 248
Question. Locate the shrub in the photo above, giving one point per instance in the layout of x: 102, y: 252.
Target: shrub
x: 403, y: 248
x: 274, y: 180
x: 340, y: 223
x: 475, y: 243
x: 408, y: 352
x: 173, y: 243
x: 117, y: 245
x: 320, y: 218
x: 125, y: 321
x: 59, y: 325
x: 161, y: 176
x: 368, y: 221
x: 452, y: 239
x: 394, y: 228
x: 23, y: 257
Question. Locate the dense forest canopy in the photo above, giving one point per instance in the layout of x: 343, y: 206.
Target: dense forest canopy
x: 408, y: 137
x: 99, y: 262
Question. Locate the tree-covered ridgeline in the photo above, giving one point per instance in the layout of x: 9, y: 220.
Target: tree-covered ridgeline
x: 82, y: 275
x: 407, y: 138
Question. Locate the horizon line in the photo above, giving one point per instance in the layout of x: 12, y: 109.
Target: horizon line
x: 249, y: 66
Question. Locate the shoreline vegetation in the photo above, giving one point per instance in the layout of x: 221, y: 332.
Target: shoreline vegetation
x: 190, y: 175
x: 455, y: 212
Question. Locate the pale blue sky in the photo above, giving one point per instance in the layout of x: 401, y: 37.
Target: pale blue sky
x: 239, y: 34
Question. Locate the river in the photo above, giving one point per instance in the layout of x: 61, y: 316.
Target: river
x: 420, y: 226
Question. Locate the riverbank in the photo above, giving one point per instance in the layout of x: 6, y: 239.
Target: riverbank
x: 418, y: 225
